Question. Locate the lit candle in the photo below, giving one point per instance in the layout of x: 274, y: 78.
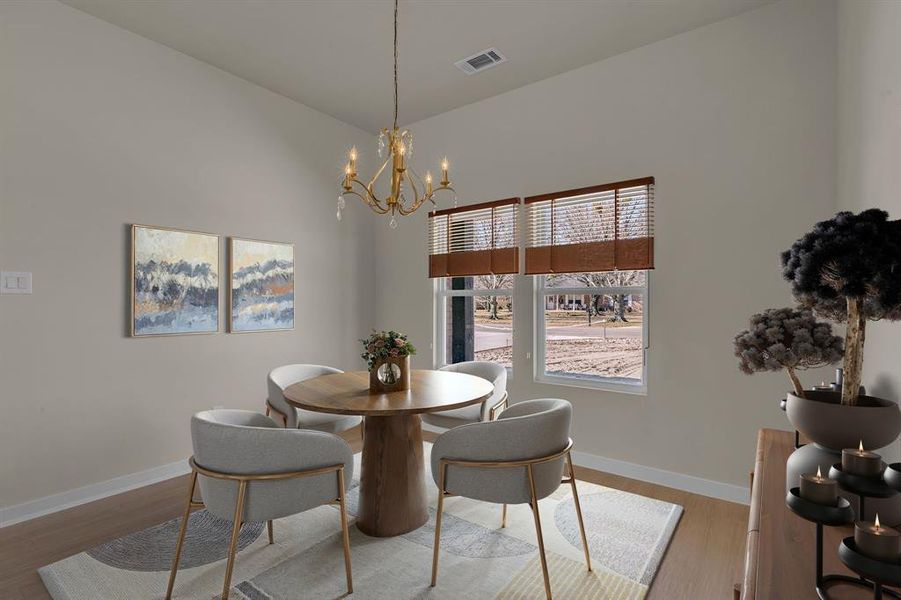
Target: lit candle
x: 819, y: 489
x: 861, y: 462
x: 352, y: 155
x: 348, y: 174
x: 444, y: 165
x: 878, y: 542
x: 428, y: 182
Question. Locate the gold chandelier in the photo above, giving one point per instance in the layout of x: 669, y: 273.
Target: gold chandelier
x: 408, y: 190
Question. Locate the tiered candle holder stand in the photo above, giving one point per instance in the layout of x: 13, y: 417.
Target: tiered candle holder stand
x: 821, y: 514
x: 798, y: 444
x: 892, y: 476
x: 862, y: 487
x: 871, y: 570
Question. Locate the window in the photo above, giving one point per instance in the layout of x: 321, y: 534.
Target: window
x: 591, y: 329
x: 474, y: 319
x: 473, y: 254
x: 602, y: 228
x: 479, y: 239
x: 590, y: 250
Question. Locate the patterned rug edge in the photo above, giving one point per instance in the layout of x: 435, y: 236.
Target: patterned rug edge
x: 628, y: 577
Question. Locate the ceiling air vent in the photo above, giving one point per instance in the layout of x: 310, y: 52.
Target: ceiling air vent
x: 481, y: 61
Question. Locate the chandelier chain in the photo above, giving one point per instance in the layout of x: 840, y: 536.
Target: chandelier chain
x: 395, y: 64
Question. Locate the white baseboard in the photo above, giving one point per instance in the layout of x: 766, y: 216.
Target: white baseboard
x: 679, y: 481
x: 10, y: 515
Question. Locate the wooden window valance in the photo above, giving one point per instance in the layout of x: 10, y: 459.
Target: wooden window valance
x: 479, y: 239
x: 602, y: 228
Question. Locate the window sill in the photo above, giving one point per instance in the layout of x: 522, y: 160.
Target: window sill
x: 634, y: 389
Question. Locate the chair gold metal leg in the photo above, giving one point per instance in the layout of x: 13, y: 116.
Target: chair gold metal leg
x: 572, y: 481
x: 504, y: 517
x: 441, y: 475
x: 181, y: 534
x: 345, y: 535
x: 269, y: 531
x: 534, y: 505
x: 233, y: 545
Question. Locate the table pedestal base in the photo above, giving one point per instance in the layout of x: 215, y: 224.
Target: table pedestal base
x: 393, y: 497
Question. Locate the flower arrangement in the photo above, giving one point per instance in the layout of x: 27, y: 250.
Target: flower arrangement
x: 382, y: 345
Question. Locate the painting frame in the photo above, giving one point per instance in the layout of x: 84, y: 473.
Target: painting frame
x: 132, y: 300
x: 230, y: 326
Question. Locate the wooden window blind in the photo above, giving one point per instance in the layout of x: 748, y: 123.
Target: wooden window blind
x: 479, y: 239
x: 602, y: 228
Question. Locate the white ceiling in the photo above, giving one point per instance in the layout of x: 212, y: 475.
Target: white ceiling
x: 336, y: 56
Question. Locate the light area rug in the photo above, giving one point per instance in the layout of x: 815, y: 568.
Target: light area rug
x: 627, y: 535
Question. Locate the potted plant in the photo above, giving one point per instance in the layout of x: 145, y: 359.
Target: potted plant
x: 387, y: 354
x: 787, y: 339
x: 847, y: 269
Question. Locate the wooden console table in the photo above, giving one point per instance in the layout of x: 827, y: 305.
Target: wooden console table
x: 780, y: 561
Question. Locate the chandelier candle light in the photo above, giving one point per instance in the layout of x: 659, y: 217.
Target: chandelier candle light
x: 408, y: 190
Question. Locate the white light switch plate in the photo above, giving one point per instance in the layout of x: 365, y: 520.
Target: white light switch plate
x: 15, y: 282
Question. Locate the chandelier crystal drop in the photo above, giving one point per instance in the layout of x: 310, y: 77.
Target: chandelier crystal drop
x: 408, y: 190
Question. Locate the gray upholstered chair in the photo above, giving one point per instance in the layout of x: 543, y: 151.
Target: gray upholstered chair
x: 252, y: 470
x: 295, y: 418
x: 476, y: 413
x: 517, y: 459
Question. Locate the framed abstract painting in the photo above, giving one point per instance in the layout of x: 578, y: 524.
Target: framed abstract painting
x: 261, y: 286
x: 174, y: 281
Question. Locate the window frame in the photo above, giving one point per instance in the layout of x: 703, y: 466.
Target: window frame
x: 590, y: 381
x: 439, y: 336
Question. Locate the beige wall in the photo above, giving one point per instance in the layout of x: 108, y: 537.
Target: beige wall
x: 736, y: 121
x: 869, y: 148
x: 100, y: 128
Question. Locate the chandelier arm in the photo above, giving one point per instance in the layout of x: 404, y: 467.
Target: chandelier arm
x: 417, y: 201
x: 375, y: 206
x: 368, y: 197
x: 413, y: 174
x: 409, y: 211
x: 378, y: 173
x: 444, y: 187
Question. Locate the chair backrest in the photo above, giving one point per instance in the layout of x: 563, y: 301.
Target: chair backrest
x: 527, y: 430
x: 242, y: 442
x: 281, y: 377
x: 490, y: 371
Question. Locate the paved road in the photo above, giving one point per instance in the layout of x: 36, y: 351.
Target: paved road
x: 498, y: 336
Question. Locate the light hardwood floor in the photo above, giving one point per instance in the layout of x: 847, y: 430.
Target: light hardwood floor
x: 703, y: 561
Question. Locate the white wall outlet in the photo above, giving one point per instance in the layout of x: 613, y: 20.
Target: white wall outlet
x: 15, y: 282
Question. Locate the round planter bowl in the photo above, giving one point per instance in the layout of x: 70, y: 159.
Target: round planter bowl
x: 823, y: 419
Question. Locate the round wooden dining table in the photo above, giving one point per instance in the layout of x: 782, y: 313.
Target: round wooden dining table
x: 393, y: 497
